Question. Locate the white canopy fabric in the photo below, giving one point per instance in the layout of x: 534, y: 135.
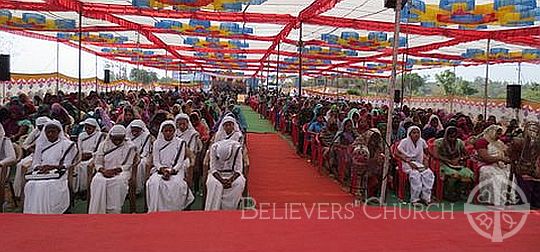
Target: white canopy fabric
x: 247, y: 37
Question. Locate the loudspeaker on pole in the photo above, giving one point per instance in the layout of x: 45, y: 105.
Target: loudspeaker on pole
x: 5, y: 74
x: 107, y: 76
x: 513, y: 96
x: 397, y: 96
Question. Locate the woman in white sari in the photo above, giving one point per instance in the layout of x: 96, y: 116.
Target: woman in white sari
x: 54, y: 152
x: 411, y: 151
x: 29, y: 146
x: 88, y: 143
x: 225, y: 182
x: 113, y: 162
x: 495, y: 168
x: 229, y: 129
x: 143, y: 140
x: 187, y: 132
x: 166, y: 188
x: 7, y: 158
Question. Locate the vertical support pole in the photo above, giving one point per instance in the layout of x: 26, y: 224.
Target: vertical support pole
x: 57, y: 66
x: 277, y: 68
x: 300, y: 49
x: 487, y: 79
x: 390, y: 99
x: 80, y: 63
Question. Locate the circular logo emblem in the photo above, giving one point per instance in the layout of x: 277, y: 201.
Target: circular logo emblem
x: 492, y: 209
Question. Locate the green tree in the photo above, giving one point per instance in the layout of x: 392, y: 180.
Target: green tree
x: 465, y: 87
x: 143, y: 76
x: 167, y: 80
x: 412, y: 81
x: 447, y: 81
x: 531, y: 91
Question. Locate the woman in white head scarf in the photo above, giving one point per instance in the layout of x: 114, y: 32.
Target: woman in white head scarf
x: 139, y: 135
x: 29, y: 146
x: 167, y: 189
x: 7, y: 157
x: 54, y: 153
x: 225, y: 182
x: 229, y: 129
x: 33, y: 136
x: 411, y: 150
x: 187, y: 132
x: 113, y: 162
x: 88, y: 143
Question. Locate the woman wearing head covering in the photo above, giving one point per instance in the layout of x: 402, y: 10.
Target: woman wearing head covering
x: 167, y: 189
x: 54, y: 154
x: 433, y: 126
x: 186, y: 132
x: 495, y: 168
x: 347, y: 135
x: 225, y: 182
x: 128, y: 114
x: 7, y: 157
x: 28, y: 146
x: 59, y: 113
x: 354, y: 115
x: 140, y: 137
x: 88, y: 143
x: 200, y: 126
x: 451, y: 152
x: 240, y: 117
x: 113, y: 161
x: 228, y: 129
x: 411, y: 150
x: 368, y: 157
x: 103, y: 118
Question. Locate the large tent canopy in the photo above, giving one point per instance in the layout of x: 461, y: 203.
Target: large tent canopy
x: 249, y: 37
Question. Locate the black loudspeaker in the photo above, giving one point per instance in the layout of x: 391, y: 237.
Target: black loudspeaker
x: 397, y: 96
x: 107, y: 76
x: 513, y: 96
x: 5, y: 74
x: 391, y: 4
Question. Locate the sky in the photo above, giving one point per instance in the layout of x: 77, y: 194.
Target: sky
x: 32, y: 56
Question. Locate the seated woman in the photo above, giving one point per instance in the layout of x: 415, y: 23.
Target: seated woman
x: 225, y: 182
x: 326, y: 137
x: 343, y: 139
x: 113, y: 162
x: 139, y: 135
x: 54, y: 154
x: 368, y: 158
x: 347, y: 135
x: 199, y: 126
x: 317, y: 125
x: 229, y: 129
x: 88, y: 143
x: 186, y: 132
x: 167, y: 189
x: 450, y: 150
x: 433, y: 127
x: 7, y: 158
x: 494, y: 167
x: 28, y: 147
x: 411, y: 150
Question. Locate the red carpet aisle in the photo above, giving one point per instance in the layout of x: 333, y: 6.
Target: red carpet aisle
x: 225, y: 231
x: 278, y: 175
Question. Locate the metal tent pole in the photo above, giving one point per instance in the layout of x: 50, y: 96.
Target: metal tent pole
x: 300, y: 49
x: 390, y: 98
x: 80, y: 64
x: 487, y: 80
